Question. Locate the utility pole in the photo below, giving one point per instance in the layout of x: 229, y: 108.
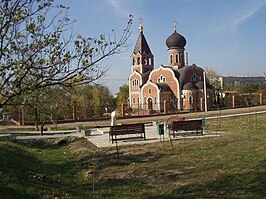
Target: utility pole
x: 205, y: 91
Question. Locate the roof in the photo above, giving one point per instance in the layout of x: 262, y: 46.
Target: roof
x: 176, y: 40
x: 200, y: 85
x: 142, y: 45
x: 163, y: 87
x: 189, y: 86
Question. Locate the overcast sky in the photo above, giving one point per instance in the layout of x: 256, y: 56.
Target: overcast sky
x: 228, y: 36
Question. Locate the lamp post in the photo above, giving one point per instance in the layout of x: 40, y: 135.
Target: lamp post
x: 205, y: 91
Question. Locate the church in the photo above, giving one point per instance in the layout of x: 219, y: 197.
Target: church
x: 177, y: 86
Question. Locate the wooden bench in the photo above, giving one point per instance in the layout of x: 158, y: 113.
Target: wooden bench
x: 186, y: 126
x: 127, y: 132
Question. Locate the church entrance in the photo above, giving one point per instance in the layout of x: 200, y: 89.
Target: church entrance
x: 150, y: 103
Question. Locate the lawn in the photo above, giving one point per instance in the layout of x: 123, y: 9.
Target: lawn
x: 230, y: 166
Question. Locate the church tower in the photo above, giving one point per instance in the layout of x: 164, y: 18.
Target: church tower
x: 142, y: 63
x: 142, y: 59
x: 176, y: 43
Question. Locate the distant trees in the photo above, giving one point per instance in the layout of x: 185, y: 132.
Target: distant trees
x: 213, y: 77
x: 122, y: 97
x: 38, y: 49
x: 55, y: 103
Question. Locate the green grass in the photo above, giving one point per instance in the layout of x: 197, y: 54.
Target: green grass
x: 230, y: 166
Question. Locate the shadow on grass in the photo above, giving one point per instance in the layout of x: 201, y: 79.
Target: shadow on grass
x: 25, y: 174
x: 243, y: 185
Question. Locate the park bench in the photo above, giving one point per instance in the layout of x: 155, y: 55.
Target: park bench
x: 186, y: 126
x: 127, y: 132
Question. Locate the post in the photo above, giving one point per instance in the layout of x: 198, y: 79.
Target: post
x: 261, y: 98
x: 165, y: 106
x: 201, y: 104
x: 234, y: 101
x: 205, y: 91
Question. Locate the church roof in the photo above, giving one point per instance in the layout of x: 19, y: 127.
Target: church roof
x: 163, y: 87
x: 200, y: 85
x: 176, y: 40
x: 142, y: 45
x: 189, y: 86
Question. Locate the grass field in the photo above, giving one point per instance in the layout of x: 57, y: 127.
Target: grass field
x: 230, y: 166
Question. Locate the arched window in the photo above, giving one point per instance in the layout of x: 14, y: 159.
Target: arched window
x: 133, y: 61
x: 138, y: 61
x: 149, y: 91
x: 190, y: 99
x: 150, y: 61
x: 194, y: 78
x: 171, y: 59
x: 145, y: 60
x: 177, y: 58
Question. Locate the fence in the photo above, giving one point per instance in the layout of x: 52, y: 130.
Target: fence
x: 21, y: 114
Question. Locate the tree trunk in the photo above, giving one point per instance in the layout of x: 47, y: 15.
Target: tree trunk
x: 36, y: 119
x: 42, y: 126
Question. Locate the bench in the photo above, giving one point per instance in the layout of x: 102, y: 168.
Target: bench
x: 127, y: 132
x: 186, y: 126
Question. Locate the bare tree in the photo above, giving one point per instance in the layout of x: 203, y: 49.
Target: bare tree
x: 39, y: 49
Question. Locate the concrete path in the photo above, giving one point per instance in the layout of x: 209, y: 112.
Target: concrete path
x: 100, y: 137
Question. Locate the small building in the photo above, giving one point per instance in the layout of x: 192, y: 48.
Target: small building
x: 227, y: 81
x: 179, y: 85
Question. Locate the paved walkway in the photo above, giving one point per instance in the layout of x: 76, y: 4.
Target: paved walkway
x: 100, y: 137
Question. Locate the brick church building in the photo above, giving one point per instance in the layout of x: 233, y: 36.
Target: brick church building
x: 178, y: 86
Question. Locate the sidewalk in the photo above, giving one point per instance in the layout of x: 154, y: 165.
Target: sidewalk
x: 100, y: 137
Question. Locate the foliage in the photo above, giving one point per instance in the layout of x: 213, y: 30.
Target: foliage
x: 122, y: 96
x: 39, y: 49
x: 213, y: 77
x: 55, y: 103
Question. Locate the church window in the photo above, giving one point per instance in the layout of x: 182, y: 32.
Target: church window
x: 177, y: 58
x: 138, y: 100
x: 150, y: 61
x: 149, y: 91
x: 181, y: 58
x: 135, y: 83
x: 138, y: 60
x: 194, y: 78
x: 145, y: 61
x: 161, y: 79
x: 171, y: 59
x: 133, y: 61
x: 155, y: 100
x: 134, y: 100
x: 190, y: 100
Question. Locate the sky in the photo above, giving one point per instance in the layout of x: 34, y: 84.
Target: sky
x: 228, y: 36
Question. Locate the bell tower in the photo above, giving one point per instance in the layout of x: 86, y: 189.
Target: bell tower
x: 142, y: 59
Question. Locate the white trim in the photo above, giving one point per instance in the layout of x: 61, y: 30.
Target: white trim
x: 129, y: 83
x: 145, y: 85
x: 179, y: 105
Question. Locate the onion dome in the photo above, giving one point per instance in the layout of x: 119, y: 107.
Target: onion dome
x: 189, y: 86
x: 175, y: 40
